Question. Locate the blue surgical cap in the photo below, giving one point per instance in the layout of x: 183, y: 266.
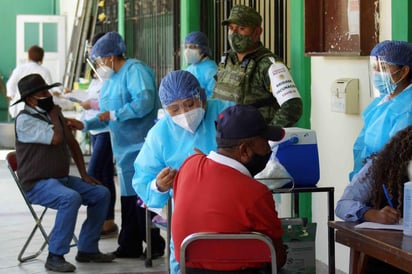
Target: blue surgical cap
x: 397, y: 52
x: 200, y: 39
x: 111, y: 44
x: 177, y: 85
x: 377, y: 49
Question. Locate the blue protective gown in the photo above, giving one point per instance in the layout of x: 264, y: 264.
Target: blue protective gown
x: 381, y: 122
x: 131, y: 93
x: 205, y: 72
x: 168, y: 145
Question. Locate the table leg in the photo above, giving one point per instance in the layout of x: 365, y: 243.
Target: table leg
x: 354, y: 261
x: 331, y: 232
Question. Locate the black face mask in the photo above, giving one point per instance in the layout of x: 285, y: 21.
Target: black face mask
x: 257, y: 163
x: 46, y: 103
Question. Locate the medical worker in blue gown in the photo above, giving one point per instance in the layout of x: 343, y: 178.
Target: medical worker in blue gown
x: 391, y: 73
x: 197, y: 55
x: 188, y: 124
x: 128, y: 104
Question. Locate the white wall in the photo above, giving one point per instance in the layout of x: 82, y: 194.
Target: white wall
x: 336, y: 132
x: 68, y: 9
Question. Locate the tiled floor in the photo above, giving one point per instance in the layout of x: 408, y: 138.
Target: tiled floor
x: 17, y: 223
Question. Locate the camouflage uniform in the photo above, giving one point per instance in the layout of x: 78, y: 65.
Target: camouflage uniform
x: 248, y: 82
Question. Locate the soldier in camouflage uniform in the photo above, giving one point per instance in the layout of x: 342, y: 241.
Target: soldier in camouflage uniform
x: 249, y: 73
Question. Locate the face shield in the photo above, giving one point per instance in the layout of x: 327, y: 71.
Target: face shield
x: 100, y: 68
x: 182, y: 106
x: 93, y: 66
x: 384, y: 76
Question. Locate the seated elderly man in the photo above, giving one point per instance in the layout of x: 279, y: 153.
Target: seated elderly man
x: 44, y: 144
x: 217, y: 192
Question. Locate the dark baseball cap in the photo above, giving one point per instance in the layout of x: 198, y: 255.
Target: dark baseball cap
x: 243, y: 16
x: 241, y: 122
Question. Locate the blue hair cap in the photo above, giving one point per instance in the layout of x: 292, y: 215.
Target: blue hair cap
x: 177, y: 85
x: 111, y: 44
x: 199, y: 38
x: 397, y: 52
x: 377, y: 49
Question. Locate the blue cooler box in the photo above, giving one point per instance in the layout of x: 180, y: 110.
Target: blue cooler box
x: 298, y: 153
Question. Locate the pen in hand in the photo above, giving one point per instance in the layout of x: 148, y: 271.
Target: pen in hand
x: 387, y: 195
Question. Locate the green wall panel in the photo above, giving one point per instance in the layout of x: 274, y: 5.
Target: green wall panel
x: 301, y: 72
x: 401, y: 21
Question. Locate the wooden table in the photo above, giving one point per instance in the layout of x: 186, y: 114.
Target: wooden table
x: 390, y: 246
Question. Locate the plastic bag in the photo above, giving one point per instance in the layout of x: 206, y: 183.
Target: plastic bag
x: 274, y: 175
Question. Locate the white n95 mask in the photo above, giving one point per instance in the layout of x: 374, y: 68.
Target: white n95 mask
x: 104, y: 72
x: 189, y: 120
x: 192, y: 56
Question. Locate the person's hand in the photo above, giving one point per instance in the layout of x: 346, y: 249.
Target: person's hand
x: 91, y: 180
x: 86, y: 104
x: 164, y: 180
x: 74, y: 124
x: 386, y: 215
x: 104, y: 116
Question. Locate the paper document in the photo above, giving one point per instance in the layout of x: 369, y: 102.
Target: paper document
x: 372, y: 225
x: 76, y: 95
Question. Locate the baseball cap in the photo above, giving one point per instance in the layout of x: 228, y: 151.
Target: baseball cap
x: 243, y: 16
x: 243, y: 121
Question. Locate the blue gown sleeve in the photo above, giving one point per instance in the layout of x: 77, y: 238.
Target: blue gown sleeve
x: 149, y: 162
x: 355, y: 199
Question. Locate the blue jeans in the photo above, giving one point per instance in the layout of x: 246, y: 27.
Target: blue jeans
x: 66, y: 195
x: 101, y: 166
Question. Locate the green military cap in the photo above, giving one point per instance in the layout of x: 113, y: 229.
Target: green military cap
x: 244, y: 16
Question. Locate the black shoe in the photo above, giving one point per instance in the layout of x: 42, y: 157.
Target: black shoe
x: 120, y: 254
x: 155, y: 254
x: 58, y: 263
x: 97, y: 257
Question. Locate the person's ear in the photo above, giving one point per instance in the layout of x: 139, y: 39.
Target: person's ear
x: 245, y: 153
x: 257, y: 32
x: 405, y: 71
x: 30, y: 101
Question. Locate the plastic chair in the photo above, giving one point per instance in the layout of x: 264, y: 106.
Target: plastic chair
x: 222, y: 248
x: 12, y: 165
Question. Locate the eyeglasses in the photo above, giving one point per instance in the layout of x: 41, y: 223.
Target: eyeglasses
x: 183, y: 106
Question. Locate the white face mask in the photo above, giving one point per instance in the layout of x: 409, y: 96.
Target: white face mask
x: 189, y: 120
x: 192, y: 56
x: 104, y: 72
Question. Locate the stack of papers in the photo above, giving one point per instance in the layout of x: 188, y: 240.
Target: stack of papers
x: 372, y: 225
